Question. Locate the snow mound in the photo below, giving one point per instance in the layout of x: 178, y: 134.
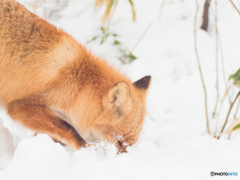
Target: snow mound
x: 37, y: 158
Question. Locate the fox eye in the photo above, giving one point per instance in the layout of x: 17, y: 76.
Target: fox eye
x: 120, y: 144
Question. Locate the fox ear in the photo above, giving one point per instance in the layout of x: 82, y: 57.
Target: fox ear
x: 143, y: 84
x: 119, y: 95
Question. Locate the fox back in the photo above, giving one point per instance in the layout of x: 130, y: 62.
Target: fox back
x: 45, y: 75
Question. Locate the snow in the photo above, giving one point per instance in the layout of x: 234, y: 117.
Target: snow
x: 174, y: 143
x: 41, y: 157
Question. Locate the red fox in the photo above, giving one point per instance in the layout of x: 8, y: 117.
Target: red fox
x: 51, y: 84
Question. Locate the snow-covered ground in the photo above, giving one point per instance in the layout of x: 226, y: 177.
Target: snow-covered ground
x: 174, y: 143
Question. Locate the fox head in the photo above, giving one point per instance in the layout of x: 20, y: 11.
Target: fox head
x: 116, y: 117
x: 123, y: 112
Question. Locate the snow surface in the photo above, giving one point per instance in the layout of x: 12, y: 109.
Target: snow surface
x: 173, y: 143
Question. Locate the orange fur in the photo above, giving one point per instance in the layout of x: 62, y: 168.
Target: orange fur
x: 51, y: 84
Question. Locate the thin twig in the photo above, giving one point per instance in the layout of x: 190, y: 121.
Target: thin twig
x: 220, y: 109
x: 35, y: 7
x: 150, y: 117
x: 229, y: 136
x: 221, y: 52
x: 216, y: 31
x: 235, y: 7
x: 161, y: 9
x: 223, y: 69
x: 231, y: 105
x: 199, y: 66
x: 235, y: 115
x: 232, y: 92
x: 123, y: 61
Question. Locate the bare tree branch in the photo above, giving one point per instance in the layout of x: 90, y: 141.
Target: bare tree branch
x: 235, y: 7
x: 235, y: 115
x: 199, y: 66
x: 220, y: 109
x: 216, y: 32
x: 228, y: 114
x: 136, y: 43
x: 161, y: 9
x: 221, y: 51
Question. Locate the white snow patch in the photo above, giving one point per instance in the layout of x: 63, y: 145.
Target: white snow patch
x: 37, y: 158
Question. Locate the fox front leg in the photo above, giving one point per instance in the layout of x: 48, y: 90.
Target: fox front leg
x: 41, y: 120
